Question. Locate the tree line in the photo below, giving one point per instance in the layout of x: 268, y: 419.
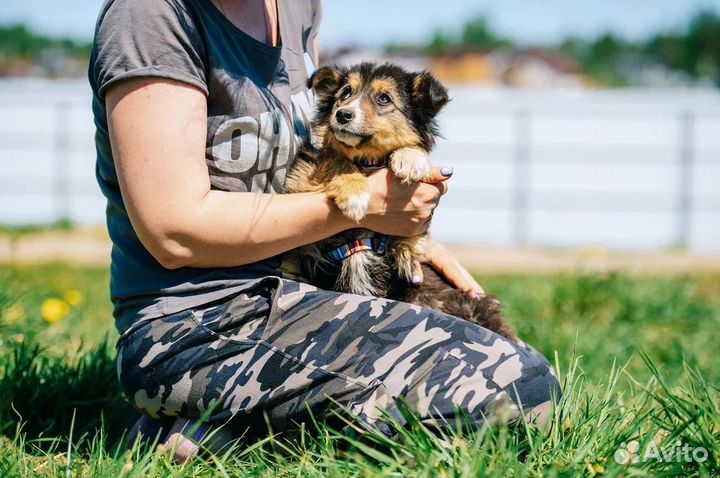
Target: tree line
x: 693, y: 49
x: 18, y: 42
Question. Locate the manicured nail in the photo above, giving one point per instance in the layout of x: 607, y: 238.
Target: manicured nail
x: 416, y: 279
x: 446, y: 171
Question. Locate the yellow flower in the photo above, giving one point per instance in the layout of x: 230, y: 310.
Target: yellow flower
x: 54, y: 310
x: 14, y: 314
x: 74, y: 297
x: 595, y: 469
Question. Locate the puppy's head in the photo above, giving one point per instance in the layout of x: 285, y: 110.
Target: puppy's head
x: 369, y: 111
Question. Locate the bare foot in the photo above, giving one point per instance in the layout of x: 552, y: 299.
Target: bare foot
x: 186, y: 436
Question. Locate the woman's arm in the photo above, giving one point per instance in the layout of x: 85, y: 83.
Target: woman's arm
x: 158, y: 131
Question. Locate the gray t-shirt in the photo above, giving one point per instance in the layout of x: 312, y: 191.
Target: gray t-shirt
x: 258, y: 110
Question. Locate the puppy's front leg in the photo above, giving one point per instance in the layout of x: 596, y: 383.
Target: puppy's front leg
x: 410, y: 164
x: 351, y: 193
x: 405, y: 250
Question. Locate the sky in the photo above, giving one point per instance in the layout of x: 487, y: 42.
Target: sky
x: 376, y: 22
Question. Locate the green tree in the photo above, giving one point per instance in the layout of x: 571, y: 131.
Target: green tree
x: 478, y: 33
x: 439, y: 43
x: 668, y: 50
x: 702, y: 44
x: 696, y: 50
x: 607, y: 48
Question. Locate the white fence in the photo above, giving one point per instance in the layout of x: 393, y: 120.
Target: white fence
x: 624, y: 169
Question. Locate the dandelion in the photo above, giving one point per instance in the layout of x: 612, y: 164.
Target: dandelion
x: 14, y: 314
x: 54, y: 310
x: 73, y: 297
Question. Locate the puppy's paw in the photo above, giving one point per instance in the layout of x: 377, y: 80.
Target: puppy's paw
x: 353, y: 206
x: 405, y: 269
x: 410, y: 164
x: 404, y: 254
x: 351, y: 195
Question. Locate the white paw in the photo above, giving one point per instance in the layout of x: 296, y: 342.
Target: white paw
x: 410, y: 164
x: 356, y: 207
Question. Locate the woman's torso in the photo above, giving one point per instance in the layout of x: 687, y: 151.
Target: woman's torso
x: 258, y: 111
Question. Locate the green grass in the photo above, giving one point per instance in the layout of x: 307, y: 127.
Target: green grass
x: 19, y: 230
x: 636, y: 356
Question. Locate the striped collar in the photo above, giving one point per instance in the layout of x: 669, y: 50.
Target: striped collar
x: 376, y: 243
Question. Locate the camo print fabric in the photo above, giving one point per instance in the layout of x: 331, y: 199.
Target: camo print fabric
x: 281, y: 348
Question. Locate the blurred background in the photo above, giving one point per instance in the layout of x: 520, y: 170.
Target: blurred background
x: 585, y: 137
x: 573, y: 126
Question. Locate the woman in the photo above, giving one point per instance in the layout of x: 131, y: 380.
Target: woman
x: 199, y: 107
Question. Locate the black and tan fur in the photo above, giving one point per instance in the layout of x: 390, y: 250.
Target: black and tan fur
x: 374, y: 116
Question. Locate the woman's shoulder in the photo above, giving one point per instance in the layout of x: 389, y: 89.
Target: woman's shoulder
x: 137, y: 13
x: 147, y: 38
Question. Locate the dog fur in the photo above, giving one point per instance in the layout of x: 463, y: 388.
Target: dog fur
x: 371, y: 116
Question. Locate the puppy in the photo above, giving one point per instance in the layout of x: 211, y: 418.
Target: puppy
x: 369, y: 117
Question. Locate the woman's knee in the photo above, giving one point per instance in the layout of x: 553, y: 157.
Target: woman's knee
x: 536, y: 388
x: 521, y: 384
x: 513, y: 369
x: 500, y: 374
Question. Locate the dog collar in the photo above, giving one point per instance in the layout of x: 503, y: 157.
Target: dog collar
x: 368, y: 166
x: 377, y: 244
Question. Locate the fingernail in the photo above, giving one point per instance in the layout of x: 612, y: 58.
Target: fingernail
x: 446, y: 171
x: 416, y: 279
x: 497, y: 302
x: 477, y: 295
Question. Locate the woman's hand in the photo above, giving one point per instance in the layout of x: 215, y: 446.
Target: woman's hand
x: 398, y: 209
x: 443, y: 261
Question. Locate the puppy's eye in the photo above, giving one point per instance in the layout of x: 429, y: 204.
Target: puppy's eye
x: 383, y: 99
x: 345, y: 93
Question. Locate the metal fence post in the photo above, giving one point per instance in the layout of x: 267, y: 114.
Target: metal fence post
x: 61, y: 186
x: 686, y: 153
x: 521, y: 175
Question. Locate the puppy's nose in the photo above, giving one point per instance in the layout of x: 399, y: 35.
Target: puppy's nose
x: 344, y: 116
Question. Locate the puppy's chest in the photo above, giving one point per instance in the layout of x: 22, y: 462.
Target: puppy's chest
x: 330, y: 165
x: 368, y: 166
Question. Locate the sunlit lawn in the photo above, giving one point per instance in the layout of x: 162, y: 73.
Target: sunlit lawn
x: 638, y: 357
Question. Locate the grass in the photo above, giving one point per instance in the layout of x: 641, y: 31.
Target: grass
x: 636, y: 356
x: 17, y: 231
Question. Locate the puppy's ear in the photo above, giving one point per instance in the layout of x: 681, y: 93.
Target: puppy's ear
x: 325, y: 82
x: 429, y: 93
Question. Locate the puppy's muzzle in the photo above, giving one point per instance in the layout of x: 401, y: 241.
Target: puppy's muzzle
x: 344, y: 116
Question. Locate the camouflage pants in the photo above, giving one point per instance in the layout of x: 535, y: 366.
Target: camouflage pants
x: 283, y: 347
